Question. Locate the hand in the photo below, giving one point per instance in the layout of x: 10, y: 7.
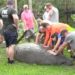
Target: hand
x: 51, y: 52
x: 27, y: 28
x: 45, y: 46
x: 1, y: 38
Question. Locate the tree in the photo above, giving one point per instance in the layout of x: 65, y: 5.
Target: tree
x: 2, y: 3
x: 30, y: 4
x: 21, y: 3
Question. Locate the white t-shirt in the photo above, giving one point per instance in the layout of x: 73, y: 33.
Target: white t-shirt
x: 52, y: 15
x: 45, y: 15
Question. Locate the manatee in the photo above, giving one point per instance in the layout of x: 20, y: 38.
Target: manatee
x: 34, y: 54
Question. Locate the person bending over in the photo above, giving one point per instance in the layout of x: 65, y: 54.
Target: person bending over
x: 49, y: 30
x: 69, y: 41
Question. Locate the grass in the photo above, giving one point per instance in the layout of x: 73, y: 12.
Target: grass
x: 19, y: 68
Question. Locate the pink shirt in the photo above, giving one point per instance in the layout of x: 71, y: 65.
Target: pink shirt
x: 27, y: 18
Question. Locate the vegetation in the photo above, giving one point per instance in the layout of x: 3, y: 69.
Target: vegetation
x: 66, y: 8
x: 2, y: 3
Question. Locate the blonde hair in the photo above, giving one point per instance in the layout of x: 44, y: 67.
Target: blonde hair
x: 25, y: 6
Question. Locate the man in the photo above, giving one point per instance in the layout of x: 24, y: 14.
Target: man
x: 59, y: 40
x: 51, y: 13
x: 69, y: 41
x: 49, y: 30
x: 10, y: 24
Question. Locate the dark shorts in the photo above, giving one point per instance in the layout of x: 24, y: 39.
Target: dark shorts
x: 10, y: 37
x: 10, y: 40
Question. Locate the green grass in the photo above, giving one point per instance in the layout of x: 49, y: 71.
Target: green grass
x: 19, y: 68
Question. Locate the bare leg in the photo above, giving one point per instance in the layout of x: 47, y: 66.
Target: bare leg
x: 11, y: 52
x: 7, y: 49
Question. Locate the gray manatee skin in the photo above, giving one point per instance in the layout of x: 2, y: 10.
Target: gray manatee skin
x: 34, y: 54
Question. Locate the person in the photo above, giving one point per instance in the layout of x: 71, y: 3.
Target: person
x: 46, y: 14
x: 51, y: 13
x: 69, y: 41
x: 58, y: 39
x: 49, y: 30
x: 9, y: 18
x: 28, y: 20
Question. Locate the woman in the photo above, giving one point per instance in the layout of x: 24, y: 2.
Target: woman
x: 28, y: 20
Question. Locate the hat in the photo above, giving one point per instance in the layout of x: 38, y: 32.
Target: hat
x: 9, y: 2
